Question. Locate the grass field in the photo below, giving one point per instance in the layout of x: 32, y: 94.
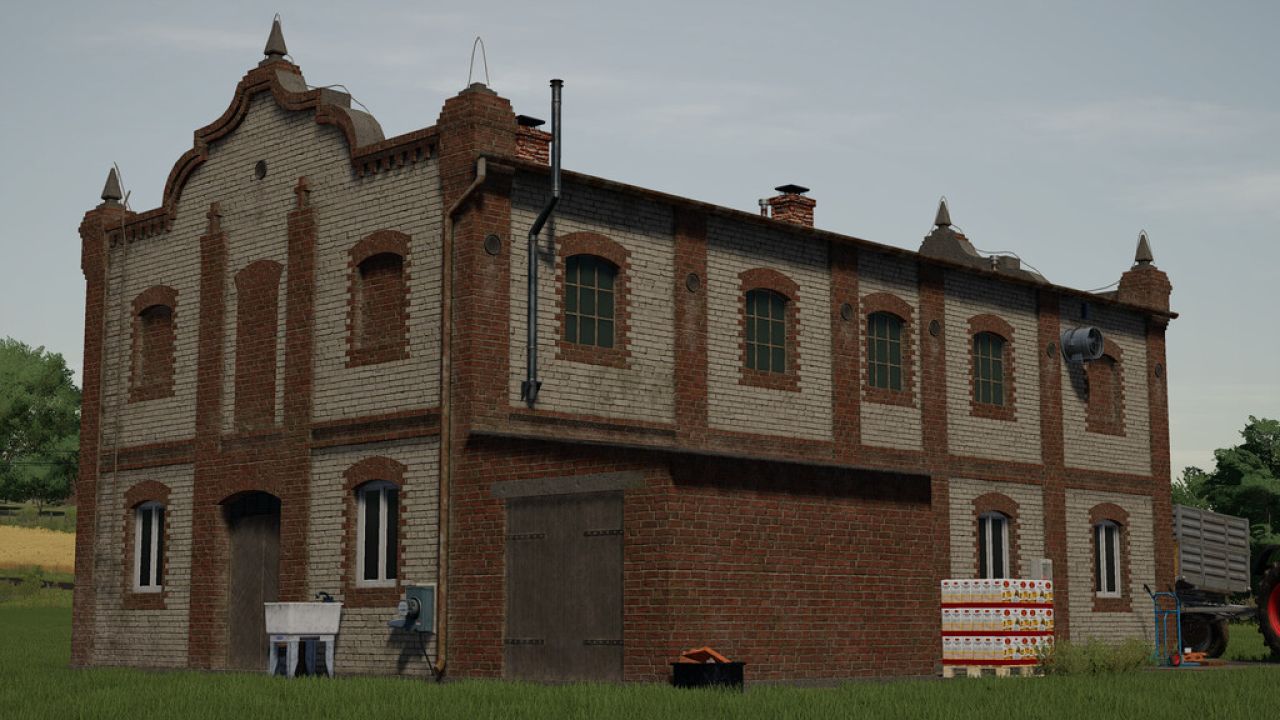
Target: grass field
x: 52, y: 517
x: 48, y: 549
x: 36, y: 683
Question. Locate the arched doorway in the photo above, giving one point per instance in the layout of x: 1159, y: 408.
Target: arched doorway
x: 253, y: 528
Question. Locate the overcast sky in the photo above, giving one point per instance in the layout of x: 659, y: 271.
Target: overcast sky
x: 1055, y: 132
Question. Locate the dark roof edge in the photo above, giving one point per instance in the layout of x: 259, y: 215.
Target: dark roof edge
x: 753, y: 218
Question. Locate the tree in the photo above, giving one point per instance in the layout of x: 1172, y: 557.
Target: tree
x: 39, y: 424
x: 1245, y: 481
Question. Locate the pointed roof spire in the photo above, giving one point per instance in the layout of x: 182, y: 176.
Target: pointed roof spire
x: 1143, y: 256
x: 275, y: 49
x: 111, y: 193
x: 943, y: 219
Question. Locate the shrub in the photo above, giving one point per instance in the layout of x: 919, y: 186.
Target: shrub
x: 1095, y: 657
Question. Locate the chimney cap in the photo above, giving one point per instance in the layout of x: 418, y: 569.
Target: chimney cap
x: 792, y: 189
x: 275, y: 48
x: 943, y: 218
x: 1143, y: 256
x: 529, y: 121
x: 111, y: 193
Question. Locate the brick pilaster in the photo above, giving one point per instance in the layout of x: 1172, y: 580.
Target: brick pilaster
x: 846, y: 346
x: 1161, y: 472
x: 1052, y: 457
x: 690, y: 288
x: 933, y: 397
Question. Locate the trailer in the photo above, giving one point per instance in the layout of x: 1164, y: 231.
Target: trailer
x: 1213, y: 568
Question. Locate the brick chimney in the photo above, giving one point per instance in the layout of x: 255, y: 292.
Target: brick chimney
x: 1144, y: 284
x: 531, y: 143
x: 792, y: 206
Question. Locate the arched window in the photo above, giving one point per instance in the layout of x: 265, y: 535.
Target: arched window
x: 993, y: 545
x: 153, y: 344
x: 377, y: 533
x: 378, y: 322
x: 766, y: 331
x: 1106, y: 566
x: 148, y: 547
x: 884, y: 351
x: 589, y: 283
x: 988, y: 369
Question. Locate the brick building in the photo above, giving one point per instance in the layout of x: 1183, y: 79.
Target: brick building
x: 303, y: 371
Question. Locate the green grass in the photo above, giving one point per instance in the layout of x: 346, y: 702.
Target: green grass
x: 1245, y: 643
x: 38, y: 684
x: 51, y: 517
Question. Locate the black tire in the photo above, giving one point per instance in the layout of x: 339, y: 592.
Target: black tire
x: 1269, y: 608
x: 1204, y: 633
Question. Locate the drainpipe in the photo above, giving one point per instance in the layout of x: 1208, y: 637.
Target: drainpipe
x: 446, y: 414
x: 529, y: 388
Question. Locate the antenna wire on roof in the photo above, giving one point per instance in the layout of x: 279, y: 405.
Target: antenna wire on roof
x: 483, y: 57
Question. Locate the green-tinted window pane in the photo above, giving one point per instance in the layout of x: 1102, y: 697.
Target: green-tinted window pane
x: 605, y: 276
x: 997, y: 394
x: 571, y: 328
x: 605, y: 334
x: 895, y: 377
x: 779, y: 334
x: 571, y: 299
x: 775, y: 309
x: 571, y: 269
x: 895, y: 353
x: 779, y: 360
x: 762, y: 357
x: 587, y: 332
x: 587, y: 302
x: 751, y: 330
x: 751, y: 357
x: 895, y: 328
x: 605, y: 303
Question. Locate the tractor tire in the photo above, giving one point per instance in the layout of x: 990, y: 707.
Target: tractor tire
x: 1269, y: 608
x: 1206, y: 634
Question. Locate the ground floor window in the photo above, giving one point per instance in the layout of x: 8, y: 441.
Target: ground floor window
x: 993, y: 545
x: 378, y: 519
x: 1107, y: 565
x: 148, y: 547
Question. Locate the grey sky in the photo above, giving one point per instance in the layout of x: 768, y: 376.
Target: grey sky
x: 1056, y: 132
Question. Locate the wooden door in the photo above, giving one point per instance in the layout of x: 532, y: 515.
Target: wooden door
x: 254, y: 574
x: 564, y: 588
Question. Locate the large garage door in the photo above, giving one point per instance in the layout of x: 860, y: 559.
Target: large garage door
x: 564, y: 587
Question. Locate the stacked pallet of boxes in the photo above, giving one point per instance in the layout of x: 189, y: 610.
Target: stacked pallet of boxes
x: 1005, y: 625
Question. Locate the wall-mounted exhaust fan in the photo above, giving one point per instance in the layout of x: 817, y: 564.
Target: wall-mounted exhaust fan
x: 1082, y: 344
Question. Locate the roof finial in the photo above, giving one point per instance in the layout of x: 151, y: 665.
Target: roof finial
x: 275, y: 49
x: 1143, y: 256
x: 111, y: 193
x: 943, y: 218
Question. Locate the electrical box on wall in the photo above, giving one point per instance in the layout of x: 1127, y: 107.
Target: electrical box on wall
x: 418, y: 609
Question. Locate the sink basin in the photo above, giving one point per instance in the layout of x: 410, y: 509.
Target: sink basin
x: 303, y: 618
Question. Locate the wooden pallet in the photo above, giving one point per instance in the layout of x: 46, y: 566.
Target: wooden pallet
x: 976, y: 671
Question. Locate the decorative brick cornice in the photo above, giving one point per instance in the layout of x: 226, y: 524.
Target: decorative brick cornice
x: 396, y: 345
x: 366, y: 471
x: 1110, y: 512
x: 144, y: 492
x: 888, y: 303
x: 1005, y: 505
x: 770, y: 279
x: 995, y: 325
x: 1105, y: 411
x: 589, y: 243
x: 158, y: 351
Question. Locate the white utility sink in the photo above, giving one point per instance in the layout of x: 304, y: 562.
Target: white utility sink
x: 303, y: 618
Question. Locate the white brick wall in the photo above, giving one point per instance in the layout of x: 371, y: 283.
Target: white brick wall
x: 365, y: 644
x: 150, y: 638
x: 1017, y: 440
x: 894, y: 426
x: 1132, y: 452
x: 731, y: 249
x: 1085, y: 623
x: 643, y: 391
x: 964, y: 527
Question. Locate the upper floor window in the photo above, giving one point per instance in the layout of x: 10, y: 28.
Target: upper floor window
x: 988, y: 369
x: 377, y: 533
x: 993, y: 545
x: 884, y: 351
x: 1106, y: 569
x: 148, y: 547
x: 589, y: 300
x: 379, y: 302
x: 153, y: 344
x: 766, y: 331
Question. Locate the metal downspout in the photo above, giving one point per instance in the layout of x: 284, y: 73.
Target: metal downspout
x: 529, y: 388
x: 446, y: 415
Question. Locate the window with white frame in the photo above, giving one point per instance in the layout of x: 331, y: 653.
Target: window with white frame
x: 993, y: 545
x: 377, y: 534
x: 148, y: 547
x: 1106, y: 571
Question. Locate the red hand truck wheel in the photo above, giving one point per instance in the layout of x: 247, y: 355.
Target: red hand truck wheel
x: 1175, y: 659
